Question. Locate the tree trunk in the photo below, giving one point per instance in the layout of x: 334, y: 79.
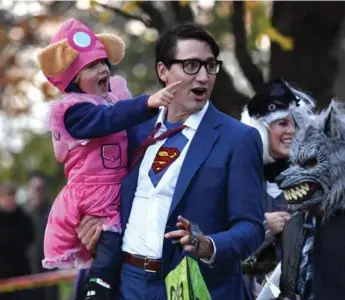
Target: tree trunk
x: 312, y: 64
x: 225, y: 96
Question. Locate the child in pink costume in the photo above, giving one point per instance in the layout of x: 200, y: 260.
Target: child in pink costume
x: 77, y: 62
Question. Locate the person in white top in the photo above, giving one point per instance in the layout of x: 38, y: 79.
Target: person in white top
x: 206, y: 170
x: 274, y: 111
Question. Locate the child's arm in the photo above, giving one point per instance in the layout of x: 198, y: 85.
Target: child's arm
x: 87, y: 121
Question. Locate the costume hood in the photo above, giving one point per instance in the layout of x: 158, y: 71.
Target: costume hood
x: 72, y: 48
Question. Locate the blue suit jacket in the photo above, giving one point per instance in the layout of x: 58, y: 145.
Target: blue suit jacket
x: 220, y: 187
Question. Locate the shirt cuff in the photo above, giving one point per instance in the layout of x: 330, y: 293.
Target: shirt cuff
x: 210, y: 261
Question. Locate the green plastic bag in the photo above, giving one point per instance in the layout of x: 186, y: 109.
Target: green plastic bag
x: 185, y: 282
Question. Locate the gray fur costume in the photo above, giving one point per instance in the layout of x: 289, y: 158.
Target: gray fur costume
x: 314, y: 186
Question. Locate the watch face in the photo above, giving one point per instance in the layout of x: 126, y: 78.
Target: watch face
x: 195, y: 230
x: 195, y: 242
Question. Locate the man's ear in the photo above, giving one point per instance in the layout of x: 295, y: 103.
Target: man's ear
x: 162, y: 71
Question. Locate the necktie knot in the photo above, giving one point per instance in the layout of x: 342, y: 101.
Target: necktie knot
x: 151, y: 139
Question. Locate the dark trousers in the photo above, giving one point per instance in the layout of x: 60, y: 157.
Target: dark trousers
x: 107, y: 263
x: 137, y: 284
x: 105, y: 266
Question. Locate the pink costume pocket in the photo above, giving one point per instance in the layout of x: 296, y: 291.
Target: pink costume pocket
x: 111, y: 156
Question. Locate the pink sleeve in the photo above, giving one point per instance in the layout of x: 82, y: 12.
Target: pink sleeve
x: 56, y: 116
x: 58, y: 108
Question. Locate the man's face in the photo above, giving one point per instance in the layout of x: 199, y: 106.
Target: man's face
x: 36, y: 192
x: 195, y: 89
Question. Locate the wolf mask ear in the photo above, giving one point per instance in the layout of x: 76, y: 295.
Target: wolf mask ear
x: 332, y: 128
x: 299, y: 118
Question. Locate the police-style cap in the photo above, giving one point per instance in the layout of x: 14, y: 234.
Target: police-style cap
x: 275, y: 95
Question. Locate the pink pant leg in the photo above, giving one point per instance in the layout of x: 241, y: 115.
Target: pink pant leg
x: 62, y: 248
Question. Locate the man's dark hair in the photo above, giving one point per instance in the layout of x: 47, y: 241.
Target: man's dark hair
x: 166, y: 44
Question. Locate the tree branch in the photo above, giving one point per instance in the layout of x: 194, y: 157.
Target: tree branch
x: 60, y: 7
x: 154, y: 14
x: 182, y: 14
x: 118, y: 11
x: 226, y: 97
x: 250, y: 70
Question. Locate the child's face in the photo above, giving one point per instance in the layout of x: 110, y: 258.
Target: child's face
x: 94, y: 78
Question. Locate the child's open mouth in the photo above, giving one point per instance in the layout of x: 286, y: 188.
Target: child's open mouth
x: 103, y: 83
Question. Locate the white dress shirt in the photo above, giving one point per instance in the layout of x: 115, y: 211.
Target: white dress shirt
x: 272, y: 189
x: 144, y: 233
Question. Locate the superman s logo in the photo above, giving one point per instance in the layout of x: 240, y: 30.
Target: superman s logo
x: 164, y: 158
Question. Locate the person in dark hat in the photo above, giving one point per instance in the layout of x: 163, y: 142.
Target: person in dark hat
x: 274, y: 112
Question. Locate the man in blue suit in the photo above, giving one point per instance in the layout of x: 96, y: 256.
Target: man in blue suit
x: 209, y: 172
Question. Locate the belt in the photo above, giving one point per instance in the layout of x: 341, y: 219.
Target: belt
x: 145, y: 263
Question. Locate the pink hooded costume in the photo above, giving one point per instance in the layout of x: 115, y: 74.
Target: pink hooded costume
x: 94, y: 168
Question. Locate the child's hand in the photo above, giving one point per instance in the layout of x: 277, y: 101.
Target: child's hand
x: 164, y: 96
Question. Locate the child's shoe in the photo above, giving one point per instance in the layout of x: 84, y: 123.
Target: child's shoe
x: 97, y: 289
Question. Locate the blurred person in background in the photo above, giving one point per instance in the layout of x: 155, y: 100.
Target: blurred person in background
x: 38, y: 207
x: 16, y: 235
x: 275, y: 111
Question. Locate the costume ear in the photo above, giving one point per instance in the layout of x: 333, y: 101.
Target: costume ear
x: 331, y: 126
x: 300, y: 118
x: 114, y: 47
x: 56, y: 58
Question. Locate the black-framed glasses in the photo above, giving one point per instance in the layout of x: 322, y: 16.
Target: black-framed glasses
x: 192, y: 66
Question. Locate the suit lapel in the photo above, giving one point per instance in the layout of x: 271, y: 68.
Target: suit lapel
x: 201, y: 145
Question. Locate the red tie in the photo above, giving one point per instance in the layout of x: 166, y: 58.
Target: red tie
x: 151, y: 139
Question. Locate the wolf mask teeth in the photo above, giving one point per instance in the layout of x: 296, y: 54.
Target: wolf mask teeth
x: 298, y: 193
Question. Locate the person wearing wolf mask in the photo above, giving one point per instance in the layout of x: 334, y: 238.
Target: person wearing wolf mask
x: 313, y: 245
x: 273, y: 112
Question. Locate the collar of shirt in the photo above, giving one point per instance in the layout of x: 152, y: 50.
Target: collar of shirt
x: 192, y: 122
x: 272, y: 189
